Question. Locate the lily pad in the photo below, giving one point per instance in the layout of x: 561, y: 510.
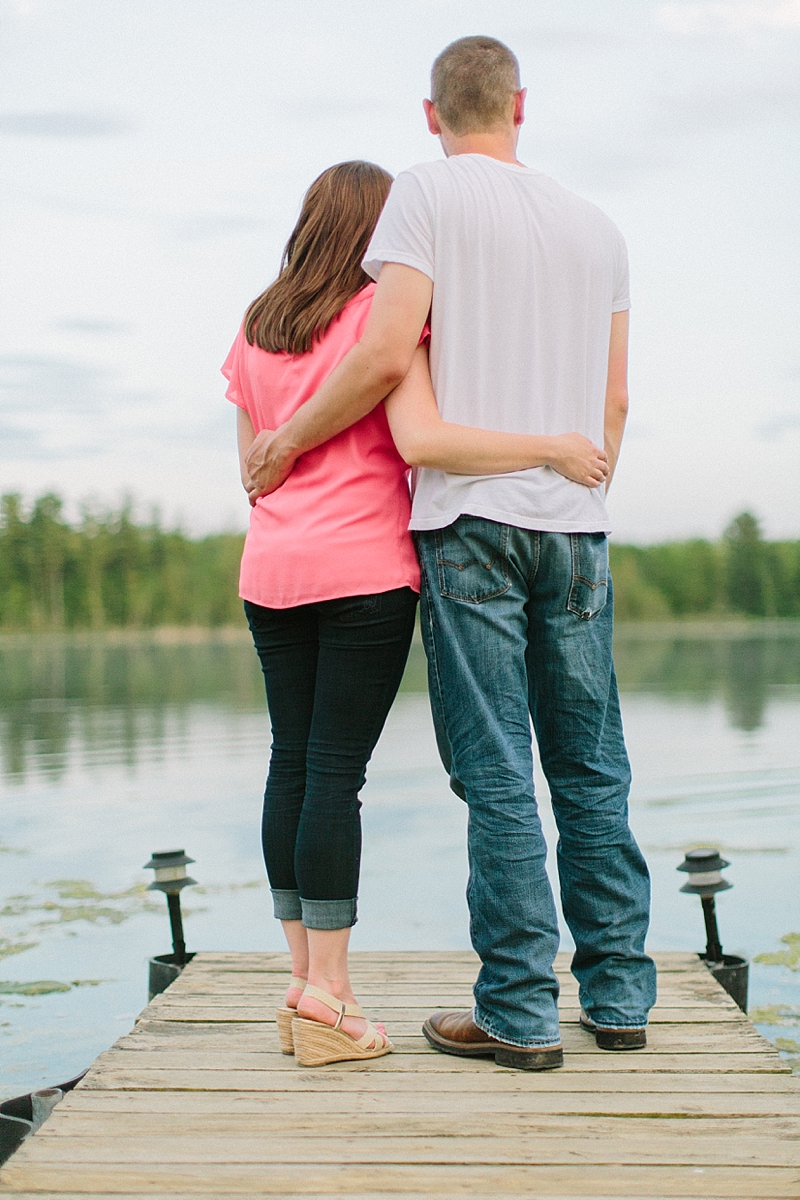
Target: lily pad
x: 9, y: 946
x: 37, y: 987
x: 783, y: 958
x: 43, y: 987
x: 775, y: 1014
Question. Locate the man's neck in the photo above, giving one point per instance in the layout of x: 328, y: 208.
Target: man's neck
x: 500, y: 144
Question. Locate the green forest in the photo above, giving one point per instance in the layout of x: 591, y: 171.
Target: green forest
x: 110, y: 570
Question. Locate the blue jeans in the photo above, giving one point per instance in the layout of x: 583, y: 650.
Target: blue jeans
x: 518, y: 624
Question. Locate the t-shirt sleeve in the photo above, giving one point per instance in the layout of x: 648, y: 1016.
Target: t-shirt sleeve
x: 231, y: 369
x: 404, y: 233
x: 622, y: 287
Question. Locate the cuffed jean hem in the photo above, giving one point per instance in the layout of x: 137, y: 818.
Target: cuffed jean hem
x: 329, y: 914
x: 286, y: 904
x: 486, y: 1026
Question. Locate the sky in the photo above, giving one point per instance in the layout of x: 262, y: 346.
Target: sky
x: 154, y: 155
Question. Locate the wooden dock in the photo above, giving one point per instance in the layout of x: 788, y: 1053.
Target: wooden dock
x: 198, y: 1101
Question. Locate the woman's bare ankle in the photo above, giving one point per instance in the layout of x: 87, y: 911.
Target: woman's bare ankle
x: 340, y: 988
x: 293, y: 993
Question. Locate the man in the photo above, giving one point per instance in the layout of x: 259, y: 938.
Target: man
x: 527, y: 290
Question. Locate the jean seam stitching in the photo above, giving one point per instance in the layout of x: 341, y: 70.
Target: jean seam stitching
x: 572, y: 606
x: 434, y: 657
x: 448, y: 593
x: 536, y: 558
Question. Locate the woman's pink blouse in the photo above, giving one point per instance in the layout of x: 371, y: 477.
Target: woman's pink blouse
x: 339, y: 524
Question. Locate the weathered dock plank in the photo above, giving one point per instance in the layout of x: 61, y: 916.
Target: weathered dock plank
x: 198, y: 1101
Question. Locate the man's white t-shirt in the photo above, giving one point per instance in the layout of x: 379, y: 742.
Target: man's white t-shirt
x: 525, y: 278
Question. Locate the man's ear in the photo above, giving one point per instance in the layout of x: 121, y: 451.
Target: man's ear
x: 431, y: 117
x: 519, y: 106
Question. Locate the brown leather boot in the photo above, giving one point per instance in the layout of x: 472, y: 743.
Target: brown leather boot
x: 632, y: 1038
x: 455, y: 1032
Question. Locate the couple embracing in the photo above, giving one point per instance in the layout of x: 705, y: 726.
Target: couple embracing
x: 490, y: 354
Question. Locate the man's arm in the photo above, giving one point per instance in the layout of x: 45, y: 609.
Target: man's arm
x: 363, y: 378
x: 616, y: 410
x: 424, y: 440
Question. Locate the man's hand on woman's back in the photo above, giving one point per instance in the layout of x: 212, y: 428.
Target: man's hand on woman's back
x: 268, y: 463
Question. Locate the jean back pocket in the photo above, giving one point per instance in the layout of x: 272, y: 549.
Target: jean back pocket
x: 589, y: 591
x: 472, y: 560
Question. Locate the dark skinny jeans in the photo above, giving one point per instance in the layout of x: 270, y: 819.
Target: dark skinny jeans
x: 332, y: 671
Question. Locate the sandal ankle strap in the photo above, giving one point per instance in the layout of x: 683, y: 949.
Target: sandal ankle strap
x: 334, y: 1003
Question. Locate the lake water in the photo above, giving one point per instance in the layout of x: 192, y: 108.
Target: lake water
x: 114, y: 746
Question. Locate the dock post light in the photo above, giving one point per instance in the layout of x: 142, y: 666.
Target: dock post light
x: 170, y: 877
x: 704, y: 868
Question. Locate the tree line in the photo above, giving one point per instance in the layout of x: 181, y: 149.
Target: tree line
x: 741, y: 574
x: 109, y: 570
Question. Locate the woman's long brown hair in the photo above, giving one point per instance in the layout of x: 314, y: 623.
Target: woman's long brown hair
x: 321, y: 266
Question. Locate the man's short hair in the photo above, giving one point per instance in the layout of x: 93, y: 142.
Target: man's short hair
x: 472, y: 83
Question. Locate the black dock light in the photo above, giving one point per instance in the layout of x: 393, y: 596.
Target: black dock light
x: 704, y: 868
x: 170, y: 870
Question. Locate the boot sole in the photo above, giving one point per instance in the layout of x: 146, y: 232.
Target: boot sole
x: 617, y: 1039
x: 530, y: 1060
x: 612, y: 1039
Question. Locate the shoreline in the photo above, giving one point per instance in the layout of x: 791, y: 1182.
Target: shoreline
x: 160, y: 635
x: 708, y: 628
x: 682, y: 628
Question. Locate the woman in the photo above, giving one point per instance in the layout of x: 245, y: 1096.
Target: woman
x: 330, y: 582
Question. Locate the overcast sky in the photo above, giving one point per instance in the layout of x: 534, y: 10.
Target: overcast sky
x: 154, y: 153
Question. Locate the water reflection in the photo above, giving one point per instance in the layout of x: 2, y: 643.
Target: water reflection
x: 62, y: 696
x: 742, y: 669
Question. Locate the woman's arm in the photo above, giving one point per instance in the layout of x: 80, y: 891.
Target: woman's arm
x: 424, y: 440
x: 245, y: 436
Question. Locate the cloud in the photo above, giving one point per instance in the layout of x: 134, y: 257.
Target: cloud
x: 59, y: 409
x: 94, y: 328
x: 62, y: 124
x: 611, y: 171
x: 568, y: 38
x: 773, y: 429
x: 333, y: 107
x: 36, y: 383
x: 187, y: 227
x: 729, y: 108
x: 203, y: 227
x: 54, y: 408
x: 13, y: 439
x: 729, y: 16
x: 24, y: 8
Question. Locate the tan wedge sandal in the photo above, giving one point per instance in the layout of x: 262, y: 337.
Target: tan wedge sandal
x: 284, y: 1017
x: 316, y: 1044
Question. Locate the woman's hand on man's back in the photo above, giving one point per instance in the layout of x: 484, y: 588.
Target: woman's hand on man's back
x: 578, y: 459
